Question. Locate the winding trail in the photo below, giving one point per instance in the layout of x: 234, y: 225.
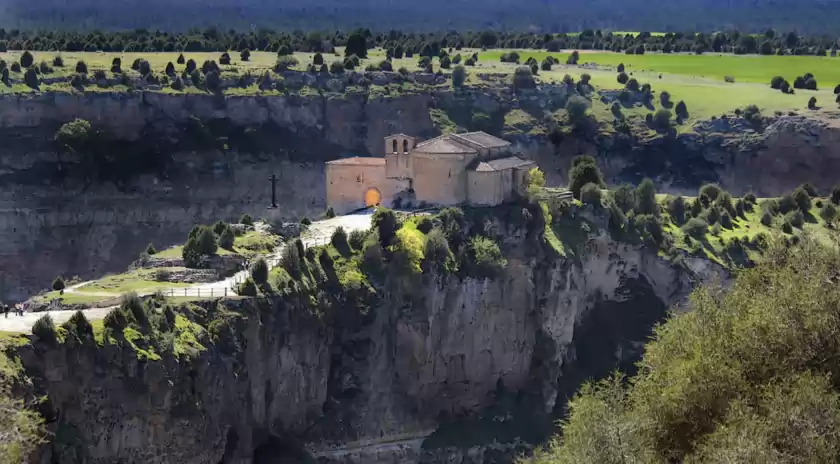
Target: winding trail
x: 319, y: 233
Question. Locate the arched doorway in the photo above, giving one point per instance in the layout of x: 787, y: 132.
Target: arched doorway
x: 372, y: 197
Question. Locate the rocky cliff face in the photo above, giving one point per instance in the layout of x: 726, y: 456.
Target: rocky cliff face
x: 201, y: 158
x: 465, y: 364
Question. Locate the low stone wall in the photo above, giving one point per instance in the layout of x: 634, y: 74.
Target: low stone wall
x: 150, y: 262
x: 226, y: 265
x: 188, y: 276
x: 221, y: 265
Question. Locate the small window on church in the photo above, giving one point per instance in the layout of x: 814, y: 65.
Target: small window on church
x: 395, y: 146
x: 405, y: 146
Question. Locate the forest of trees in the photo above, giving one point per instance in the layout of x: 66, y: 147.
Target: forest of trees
x: 808, y: 16
x: 402, y: 43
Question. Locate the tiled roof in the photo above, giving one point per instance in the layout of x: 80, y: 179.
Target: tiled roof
x: 470, y: 142
x: 482, y: 139
x: 444, y: 144
x: 360, y: 161
x: 500, y: 164
x: 400, y: 135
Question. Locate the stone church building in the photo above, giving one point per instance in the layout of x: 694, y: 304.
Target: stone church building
x: 474, y: 169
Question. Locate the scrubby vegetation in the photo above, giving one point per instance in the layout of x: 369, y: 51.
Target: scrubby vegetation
x: 713, y: 225
x: 150, y: 328
x: 731, y: 381
x: 21, y: 427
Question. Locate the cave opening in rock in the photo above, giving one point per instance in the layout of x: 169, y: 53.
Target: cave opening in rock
x: 276, y: 450
x: 612, y: 335
x: 231, y: 442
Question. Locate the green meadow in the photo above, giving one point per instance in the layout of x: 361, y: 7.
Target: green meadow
x: 696, y: 79
x: 745, y: 68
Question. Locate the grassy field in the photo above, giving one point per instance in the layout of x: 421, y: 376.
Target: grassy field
x: 74, y: 298
x: 249, y: 244
x: 158, y: 61
x: 132, y: 281
x: 705, y: 96
x: 746, y: 68
x: 177, y: 252
x: 756, y: 69
x: 636, y: 34
x: 110, y: 288
x: 696, y: 79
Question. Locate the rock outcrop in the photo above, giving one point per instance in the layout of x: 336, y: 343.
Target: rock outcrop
x: 202, y: 158
x: 412, y: 381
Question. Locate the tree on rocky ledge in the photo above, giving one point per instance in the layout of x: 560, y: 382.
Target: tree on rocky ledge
x: 576, y: 108
x: 74, y: 136
x: 584, y: 171
x: 201, y: 243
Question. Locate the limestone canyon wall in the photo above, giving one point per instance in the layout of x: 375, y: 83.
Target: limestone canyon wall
x: 288, y: 385
x: 51, y: 223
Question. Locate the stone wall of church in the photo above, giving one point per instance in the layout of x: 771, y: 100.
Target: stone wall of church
x: 441, y: 179
x: 487, y: 188
x: 399, y: 166
x: 347, y: 185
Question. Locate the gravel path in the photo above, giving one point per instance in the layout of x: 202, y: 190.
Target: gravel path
x: 14, y: 323
x: 319, y: 233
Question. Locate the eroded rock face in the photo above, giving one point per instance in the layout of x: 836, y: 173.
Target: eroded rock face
x: 110, y: 406
x: 370, y: 389
x: 54, y: 224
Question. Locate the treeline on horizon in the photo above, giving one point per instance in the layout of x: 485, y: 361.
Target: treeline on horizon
x: 399, y: 42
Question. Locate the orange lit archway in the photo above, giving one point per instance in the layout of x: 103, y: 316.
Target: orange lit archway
x: 372, y: 197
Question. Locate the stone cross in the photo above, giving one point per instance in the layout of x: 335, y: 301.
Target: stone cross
x: 273, y: 180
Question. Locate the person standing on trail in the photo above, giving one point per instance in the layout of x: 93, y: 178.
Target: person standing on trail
x: 6, y: 311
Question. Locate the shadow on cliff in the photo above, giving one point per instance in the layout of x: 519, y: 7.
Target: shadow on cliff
x: 611, y: 336
x: 275, y: 450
